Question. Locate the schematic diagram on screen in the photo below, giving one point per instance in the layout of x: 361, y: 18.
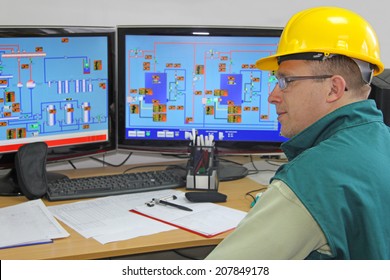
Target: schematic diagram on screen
x: 52, y: 86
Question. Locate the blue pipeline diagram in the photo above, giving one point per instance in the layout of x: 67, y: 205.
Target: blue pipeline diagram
x: 52, y: 85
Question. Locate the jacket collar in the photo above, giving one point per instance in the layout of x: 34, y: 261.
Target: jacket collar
x: 350, y: 115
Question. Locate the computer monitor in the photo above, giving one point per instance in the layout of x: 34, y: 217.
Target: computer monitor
x: 173, y: 79
x: 56, y: 86
x: 380, y: 92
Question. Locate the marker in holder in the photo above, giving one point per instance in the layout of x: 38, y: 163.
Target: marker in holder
x: 202, y: 168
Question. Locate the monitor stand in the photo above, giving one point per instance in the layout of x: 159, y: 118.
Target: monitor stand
x: 226, y: 171
x: 231, y: 171
x: 8, y: 184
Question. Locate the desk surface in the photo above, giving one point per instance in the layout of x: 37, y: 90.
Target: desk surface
x: 78, y: 247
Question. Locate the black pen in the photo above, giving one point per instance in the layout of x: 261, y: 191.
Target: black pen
x: 164, y: 202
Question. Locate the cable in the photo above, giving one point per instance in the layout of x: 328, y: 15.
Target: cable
x: 154, y: 165
x: 256, y: 170
x: 276, y: 162
x: 256, y: 190
x: 111, y: 164
x: 179, y: 156
x: 71, y: 163
x: 227, y: 160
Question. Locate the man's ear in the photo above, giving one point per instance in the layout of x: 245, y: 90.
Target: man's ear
x: 337, y: 89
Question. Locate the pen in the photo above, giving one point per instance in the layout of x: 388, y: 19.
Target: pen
x: 194, y: 136
x: 164, y: 202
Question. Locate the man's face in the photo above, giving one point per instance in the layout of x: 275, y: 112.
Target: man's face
x: 302, y: 102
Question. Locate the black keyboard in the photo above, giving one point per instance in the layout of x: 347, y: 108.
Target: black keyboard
x: 97, y: 186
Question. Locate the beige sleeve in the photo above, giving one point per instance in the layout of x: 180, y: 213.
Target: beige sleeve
x: 278, y: 227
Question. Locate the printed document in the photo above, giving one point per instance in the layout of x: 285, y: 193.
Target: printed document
x: 28, y: 223
x: 108, y: 219
x: 205, y: 219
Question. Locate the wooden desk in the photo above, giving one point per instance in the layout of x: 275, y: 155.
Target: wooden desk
x: 77, y: 247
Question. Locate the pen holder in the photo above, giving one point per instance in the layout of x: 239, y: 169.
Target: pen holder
x: 202, y: 169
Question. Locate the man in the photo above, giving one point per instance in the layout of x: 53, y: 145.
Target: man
x: 332, y: 199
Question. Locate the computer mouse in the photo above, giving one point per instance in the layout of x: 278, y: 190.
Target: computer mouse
x: 206, y: 196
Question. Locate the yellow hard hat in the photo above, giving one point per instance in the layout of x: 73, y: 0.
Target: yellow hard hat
x: 327, y: 30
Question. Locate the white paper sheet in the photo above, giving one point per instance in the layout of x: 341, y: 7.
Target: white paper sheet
x: 207, y: 219
x: 28, y: 223
x: 108, y: 219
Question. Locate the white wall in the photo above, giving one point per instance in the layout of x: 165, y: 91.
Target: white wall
x: 182, y: 12
x: 196, y: 12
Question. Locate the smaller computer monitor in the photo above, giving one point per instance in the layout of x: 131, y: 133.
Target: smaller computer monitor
x: 57, y: 85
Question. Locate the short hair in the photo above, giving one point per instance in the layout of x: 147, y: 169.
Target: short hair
x: 343, y: 66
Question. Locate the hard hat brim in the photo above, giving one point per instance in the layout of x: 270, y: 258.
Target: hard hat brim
x: 269, y: 63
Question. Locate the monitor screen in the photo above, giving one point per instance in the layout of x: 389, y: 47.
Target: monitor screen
x: 57, y: 86
x: 176, y: 79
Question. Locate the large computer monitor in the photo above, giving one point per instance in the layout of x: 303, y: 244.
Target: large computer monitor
x: 57, y: 85
x: 174, y: 79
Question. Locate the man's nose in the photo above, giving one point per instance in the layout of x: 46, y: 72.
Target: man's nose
x: 275, y: 95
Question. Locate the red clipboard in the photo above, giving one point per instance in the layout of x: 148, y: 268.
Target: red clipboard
x: 180, y: 227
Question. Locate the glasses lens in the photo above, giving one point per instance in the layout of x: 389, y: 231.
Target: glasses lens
x: 282, y: 83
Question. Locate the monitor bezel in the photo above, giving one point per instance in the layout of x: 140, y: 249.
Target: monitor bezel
x: 181, y: 146
x: 73, y: 151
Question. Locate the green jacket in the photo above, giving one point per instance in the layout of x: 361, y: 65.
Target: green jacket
x: 339, y: 168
